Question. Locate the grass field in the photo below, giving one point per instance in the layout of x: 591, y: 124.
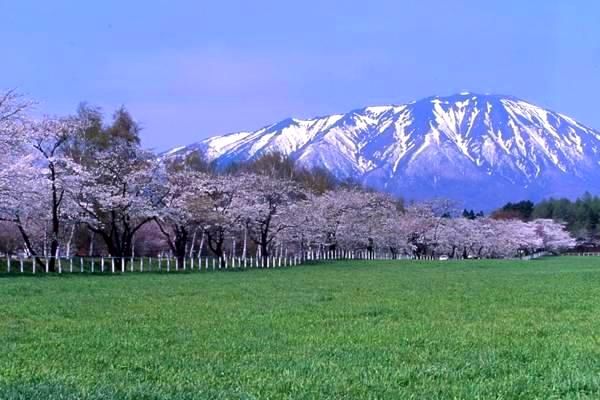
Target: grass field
x: 353, y: 330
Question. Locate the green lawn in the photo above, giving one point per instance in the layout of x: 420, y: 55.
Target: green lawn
x: 353, y: 330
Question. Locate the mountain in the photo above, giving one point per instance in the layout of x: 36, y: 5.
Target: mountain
x: 481, y: 150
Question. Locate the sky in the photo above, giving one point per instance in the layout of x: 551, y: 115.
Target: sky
x: 188, y: 70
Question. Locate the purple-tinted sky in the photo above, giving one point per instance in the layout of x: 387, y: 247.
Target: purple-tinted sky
x: 191, y: 69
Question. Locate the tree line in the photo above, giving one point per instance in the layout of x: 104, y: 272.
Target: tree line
x: 580, y: 216
x: 83, y: 185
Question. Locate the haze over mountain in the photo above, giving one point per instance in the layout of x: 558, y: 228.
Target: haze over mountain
x: 481, y: 150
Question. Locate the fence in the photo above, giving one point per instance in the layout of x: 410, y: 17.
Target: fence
x: 113, y: 265
x: 30, y: 265
x: 586, y: 254
x: 138, y: 264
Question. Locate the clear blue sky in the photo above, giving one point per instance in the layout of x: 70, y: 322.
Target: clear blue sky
x: 191, y: 69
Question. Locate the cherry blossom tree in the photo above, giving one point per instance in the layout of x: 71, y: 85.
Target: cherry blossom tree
x: 49, y: 138
x: 220, y: 211
x: 32, y: 186
x: 179, y: 212
x: 118, y: 193
x: 554, y: 235
x: 15, y: 160
x: 264, y: 205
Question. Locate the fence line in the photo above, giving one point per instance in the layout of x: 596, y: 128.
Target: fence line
x: 584, y: 254
x: 114, y: 265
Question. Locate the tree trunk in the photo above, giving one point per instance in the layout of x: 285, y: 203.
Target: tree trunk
x: 68, y: 246
x: 191, y: 253
x: 215, y: 242
x: 245, y: 243
x: 27, y: 242
x: 201, y: 244
x: 56, y: 200
x: 91, y: 248
x: 181, y: 238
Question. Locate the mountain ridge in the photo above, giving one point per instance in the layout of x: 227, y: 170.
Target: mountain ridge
x: 470, y: 147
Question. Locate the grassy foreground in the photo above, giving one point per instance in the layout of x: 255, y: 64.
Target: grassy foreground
x: 354, y: 330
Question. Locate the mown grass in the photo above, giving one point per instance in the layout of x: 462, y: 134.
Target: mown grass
x: 343, y: 330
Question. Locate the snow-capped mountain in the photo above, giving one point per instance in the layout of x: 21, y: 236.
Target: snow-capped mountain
x: 482, y: 150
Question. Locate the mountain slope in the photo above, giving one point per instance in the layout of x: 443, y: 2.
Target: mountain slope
x: 479, y: 149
